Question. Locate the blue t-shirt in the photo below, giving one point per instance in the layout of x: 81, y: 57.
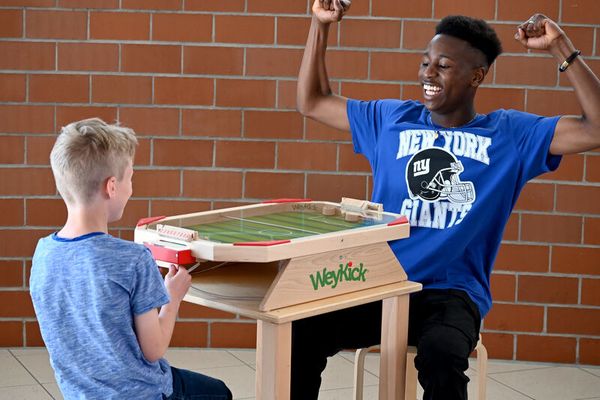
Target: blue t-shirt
x: 457, y: 186
x: 86, y: 292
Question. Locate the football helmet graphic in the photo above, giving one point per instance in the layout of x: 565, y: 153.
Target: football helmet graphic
x: 433, y: 174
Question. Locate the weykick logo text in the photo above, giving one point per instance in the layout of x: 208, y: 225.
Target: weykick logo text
x: 344, y: 273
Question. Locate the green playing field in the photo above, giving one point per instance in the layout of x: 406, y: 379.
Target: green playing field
x: 276, y: 226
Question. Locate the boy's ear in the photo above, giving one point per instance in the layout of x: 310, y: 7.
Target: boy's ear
x: 478, y: 76
x: 110, y: 187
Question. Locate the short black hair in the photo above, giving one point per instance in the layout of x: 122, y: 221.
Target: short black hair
x: 476, y: 32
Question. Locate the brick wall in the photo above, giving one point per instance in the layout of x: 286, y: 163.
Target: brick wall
x: 209, y: 86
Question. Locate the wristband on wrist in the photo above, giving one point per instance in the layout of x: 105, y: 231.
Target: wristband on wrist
x: 565, y: 64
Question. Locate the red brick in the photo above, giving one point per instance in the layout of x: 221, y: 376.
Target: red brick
x: 67, y: 114
x: 238, y: 154
x: 575, y: 260
x: 26, y: 119
x: 182, y: 27
x: 238, y: 335
x: 12, y: 87
x: 506, y: 34
x: 517, y: 10
x: 150, y: 58
x: 27, y: 181
x: 318, y: 131
x: 59, y: 88
x: 536, y: 197
x: 122, y: 89
x: 273, y: 62
x: 27, y: 56
x: 28, y: 3
x: 592, y: 172
x: 484, y: 9
x: 294, y: 30
x: 11, y: 23
x: 266, y: 185
x: 498, y: 345
x: 574, y: 320
x: 334, y: 187
x: 350, y: 161
x: 589, y: 351
x: 286, y: 95
x: 177, y: 207
x: 370, y: 91
x: 211, y: 5
x: 16, y: 304
x: 119, y: 26
x: 224, y: 123
x: 307, y: 156
x: 88, y: 3
x: 11, y: 271
x: 190, y: 334
x: 56, y: 24
x: 370, y: 33
x: 402, y: 8
x: 12, y: 150
x: 158, y: 183
x: 273, y: 124
x: 151, y: 120
x: 571, y: 169
x: 515, y: 317
x: 578, y: 199
x: 196, y: 91
x: 580, y: 11
x: 212, y: 184
x: 395, y: 66
x: 152, y: 4
x: 591, y: 233
x: 491, y: 99
x: 190, y: 310
x: 245, y: 93
x: 416, y: 35
x: 213, y: 60
x: 12, y: 212
x: 347, y: 64
x: 46, y: 212
x: 546, y: 348
x: 277, y: 7
x: 550, y: 228
x: 522, y: 258
x: 518, y: 70
x: 33, y: 336
x: 582, y: 37
x: 548, y: 289
x: 142, y: 153
x: 38, y: 149
x: 411, y: 91
x: 511, y: 230
x: 503, y: 287
x: 192, y: 153
x: 590, y: 292
x: 552, y: 102
x: 244, y: 29
x: 88, y: 57
x: 12, y: 333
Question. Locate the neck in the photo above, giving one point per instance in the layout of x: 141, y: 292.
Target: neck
x: 82, y: 220
x: 455, y: 119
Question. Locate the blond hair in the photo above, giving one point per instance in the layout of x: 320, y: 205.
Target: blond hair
x: 88, y: 152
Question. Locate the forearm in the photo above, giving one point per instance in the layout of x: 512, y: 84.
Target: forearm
x: 166, y: 321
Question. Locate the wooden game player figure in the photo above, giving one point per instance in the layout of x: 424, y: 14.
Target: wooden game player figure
x: 455, y: 173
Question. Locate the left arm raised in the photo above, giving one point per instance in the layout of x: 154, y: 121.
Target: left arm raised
x: 573, y: 133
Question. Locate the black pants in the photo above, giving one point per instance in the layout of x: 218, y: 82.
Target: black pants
x: 443, y: 324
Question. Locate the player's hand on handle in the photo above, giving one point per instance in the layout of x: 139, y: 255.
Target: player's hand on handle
x: 539, y: 32
x: 177, y: 282
x: 328, y: 11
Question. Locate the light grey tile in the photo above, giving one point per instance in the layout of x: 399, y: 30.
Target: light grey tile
x: 37, y: 363
x: 28, y: 392
x: 501, y: 366
x: 54, y: 391
x: 195, y: 359
x: 552, y: 383
x: 13, y: 373
x: 247, y: 356
x: 240, y: 379
x: 369, y: 393
x: 339, y: 374
x: 592, y: 370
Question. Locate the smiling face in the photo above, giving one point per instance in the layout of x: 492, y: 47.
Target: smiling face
x: 450, y: 72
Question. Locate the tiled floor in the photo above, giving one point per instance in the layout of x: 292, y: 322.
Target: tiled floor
x: 25, y: 374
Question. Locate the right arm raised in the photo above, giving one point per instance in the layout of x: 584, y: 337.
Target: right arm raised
x: 314, y: 98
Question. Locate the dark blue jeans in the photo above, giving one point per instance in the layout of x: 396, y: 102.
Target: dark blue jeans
x: 188, y: 385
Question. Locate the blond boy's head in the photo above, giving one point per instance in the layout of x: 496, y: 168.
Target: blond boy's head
x: 86, y: 154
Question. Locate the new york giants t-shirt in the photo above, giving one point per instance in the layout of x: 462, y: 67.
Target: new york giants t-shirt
x: 457, y: 186
x: 86, y: 292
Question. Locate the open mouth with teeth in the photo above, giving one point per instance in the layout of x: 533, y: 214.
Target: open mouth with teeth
x: 431, y: 90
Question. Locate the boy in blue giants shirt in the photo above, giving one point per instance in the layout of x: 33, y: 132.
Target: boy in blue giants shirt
x: 96, y: 296
x: 454, y: 173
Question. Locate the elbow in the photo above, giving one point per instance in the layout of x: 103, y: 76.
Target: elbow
x: 153, y: 356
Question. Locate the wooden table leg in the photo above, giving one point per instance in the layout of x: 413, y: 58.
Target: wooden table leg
x: 394, y: 336
x: 273, y: 360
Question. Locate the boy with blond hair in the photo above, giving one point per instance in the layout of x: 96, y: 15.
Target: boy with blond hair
x: 96, y: 296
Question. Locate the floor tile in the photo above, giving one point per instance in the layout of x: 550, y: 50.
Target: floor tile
x: 13, y: 373
x: 552, y: 383
x: 240, y: 379
x: 28, y: 392
x: 37, y: 363
x: 339, y: 374
x: 247, y: 356
x: 54, y: 391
